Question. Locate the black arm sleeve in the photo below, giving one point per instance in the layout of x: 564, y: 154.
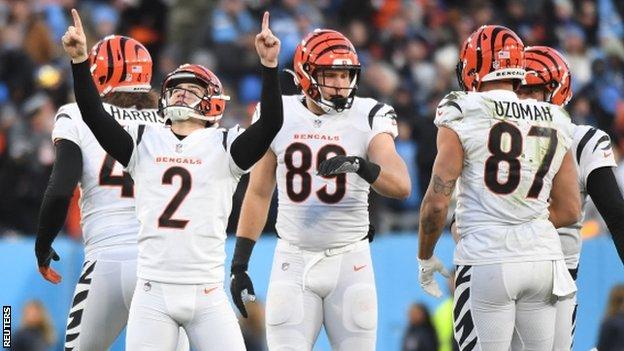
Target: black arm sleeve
x: 605, y: 192
x: 65, y: 175
x: 110, y: 134
x: 253, y: 143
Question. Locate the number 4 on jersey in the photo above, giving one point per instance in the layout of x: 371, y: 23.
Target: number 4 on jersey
x: 107, y: 178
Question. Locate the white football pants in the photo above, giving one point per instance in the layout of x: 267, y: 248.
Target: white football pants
x: 492, y: 302
x: 335, y: 287
x: 102, y: 300
x: 203, y: 311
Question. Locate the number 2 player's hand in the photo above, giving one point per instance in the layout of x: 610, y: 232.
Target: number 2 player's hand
x: 426, y: 270
x: 267, y: 44
x: 242, y: 291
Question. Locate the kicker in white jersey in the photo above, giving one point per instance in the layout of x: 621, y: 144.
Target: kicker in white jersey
x: 513, y: 149
x: 591, y: 150
x: 173, y: 249
x: 318, y: 212
x: 107, y: 194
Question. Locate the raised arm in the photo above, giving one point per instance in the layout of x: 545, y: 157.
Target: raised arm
x: 111, y: 136
x: 253, y: 143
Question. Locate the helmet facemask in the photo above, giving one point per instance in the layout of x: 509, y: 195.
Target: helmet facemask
x: 195, y: 99
x: 334, y: 103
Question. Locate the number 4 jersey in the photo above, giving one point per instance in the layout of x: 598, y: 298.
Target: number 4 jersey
x: 107, y: 211
x: 512, y: 150
x: 317, y: 212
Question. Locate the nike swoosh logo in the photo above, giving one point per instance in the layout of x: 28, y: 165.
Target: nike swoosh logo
x: 356, y: 268
x: 440, y: 113
x: 209, y: 290
x: 606, y: 154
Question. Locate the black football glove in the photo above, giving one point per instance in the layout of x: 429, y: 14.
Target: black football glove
x: 368, y: 171
x: 45, y: 256
x: 242, y: 291
x: 241, y: 286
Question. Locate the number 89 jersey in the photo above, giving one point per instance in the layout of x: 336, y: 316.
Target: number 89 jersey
x: 512, y: 150
x: 316, y: 212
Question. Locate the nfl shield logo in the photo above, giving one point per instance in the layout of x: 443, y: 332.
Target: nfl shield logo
x: 178, y: 148
x: 317, y: 123
x: 285, y: 266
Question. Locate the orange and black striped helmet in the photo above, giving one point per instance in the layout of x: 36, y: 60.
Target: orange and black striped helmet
x: 547, y: 67
x: 120, y: 64
x: 208, y: 107
x: 325, y: 49
x: 490, y: 53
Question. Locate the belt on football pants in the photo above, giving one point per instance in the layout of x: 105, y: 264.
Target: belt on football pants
x: 284, y: 245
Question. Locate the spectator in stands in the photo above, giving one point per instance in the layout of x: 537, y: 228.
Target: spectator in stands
x: 36, y: 332
x: 420, y: 334
x: 611, y: 336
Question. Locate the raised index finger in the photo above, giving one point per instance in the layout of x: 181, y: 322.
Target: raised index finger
x: 77, y: 21
x: 265, y: 20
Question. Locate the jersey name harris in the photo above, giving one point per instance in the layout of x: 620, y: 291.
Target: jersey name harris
x: 517, y: 110
x: 121, y: 114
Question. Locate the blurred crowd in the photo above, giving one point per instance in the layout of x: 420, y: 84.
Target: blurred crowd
x: 408, y: 49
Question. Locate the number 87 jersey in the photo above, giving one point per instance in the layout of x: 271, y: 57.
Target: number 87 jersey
x: 316, y: 212
x: 512, y: 151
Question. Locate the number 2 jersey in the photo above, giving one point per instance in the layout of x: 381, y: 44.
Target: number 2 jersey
x: 316, y: 212
x: 106, y: 202
x: 591, y: 150
x: 512, y: 150
x: 183, y: 192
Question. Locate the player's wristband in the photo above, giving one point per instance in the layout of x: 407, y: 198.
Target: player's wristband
x: 242, y: 253
x: 368, y: 171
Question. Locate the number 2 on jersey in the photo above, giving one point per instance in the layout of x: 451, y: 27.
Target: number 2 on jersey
x: 511, y: 155
x: 165, y: 220
x: 302, y: 170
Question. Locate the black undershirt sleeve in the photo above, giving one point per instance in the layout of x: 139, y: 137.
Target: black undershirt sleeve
x: 66, y: 173
x: 605, y: 192
x: 110, y: 134
x: 249, y: 147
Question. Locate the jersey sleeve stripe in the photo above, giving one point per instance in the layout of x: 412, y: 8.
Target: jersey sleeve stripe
x: 602, y: 139
x: 140, y: 133
x: 62, y: 115
x: 579, y: 150
x: 224, y: 141
x: 452, y: 104
x: 372, y: 113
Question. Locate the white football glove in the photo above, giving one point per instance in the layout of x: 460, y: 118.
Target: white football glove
x: 426, y: 269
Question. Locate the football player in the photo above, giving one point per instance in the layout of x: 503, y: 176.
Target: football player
x: 121, y: 68
x: 332, y: 149
x: 548, y: 79
x: 185, y: 175
x: 511, y: 157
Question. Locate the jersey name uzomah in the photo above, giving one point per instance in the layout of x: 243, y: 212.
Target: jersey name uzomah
x: 518, y: 110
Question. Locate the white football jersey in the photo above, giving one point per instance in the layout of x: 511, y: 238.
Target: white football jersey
x: 592, y: 150
x: 512, y: 150
x: 107, y: 193
x: 317, y: 212
x: 183, y: 194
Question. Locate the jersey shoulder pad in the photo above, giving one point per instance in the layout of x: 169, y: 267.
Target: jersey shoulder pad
x: 451, y: 108
x: 70, y: 111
